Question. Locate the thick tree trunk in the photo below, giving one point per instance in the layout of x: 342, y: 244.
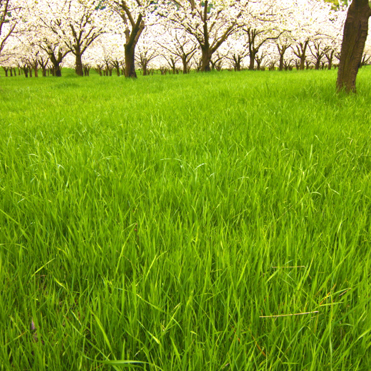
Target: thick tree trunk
x: 130, y: 61
x: 354, y: 39
x: 206, y: 60
x: 237, y: 62
x: 302, y: 62
x: 252, y: 60
x: 78, y: 65
x: 56, y: 70
x: 185, y: 65
x: 144, y: 67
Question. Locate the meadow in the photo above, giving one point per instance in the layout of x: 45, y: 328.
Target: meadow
x: 204, y: 222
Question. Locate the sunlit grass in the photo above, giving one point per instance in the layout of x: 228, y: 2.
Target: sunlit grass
x: 155, y: 221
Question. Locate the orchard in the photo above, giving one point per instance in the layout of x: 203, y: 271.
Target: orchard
x: 185, y: 35
x: 185, y: 185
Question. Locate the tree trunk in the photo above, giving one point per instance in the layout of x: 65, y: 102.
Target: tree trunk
x: 300, y: 52
x: 237, y: 62
x: 130, y: 61
x: 206, y: 60
x: 185, y: 64
x: 57, y: 71
x: 281, y: 66
x: 78, y: 66
x: 354, y: 39
x: 281, y: 52
x: 144, y: 68
x: 252, y: 60
x: 36, y: 69
x: 302, y: 62
x: 330, y: 57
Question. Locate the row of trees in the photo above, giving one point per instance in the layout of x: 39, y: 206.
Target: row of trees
x: 116, y: 35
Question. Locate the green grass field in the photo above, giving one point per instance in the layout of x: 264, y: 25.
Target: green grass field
x: 151, y: 224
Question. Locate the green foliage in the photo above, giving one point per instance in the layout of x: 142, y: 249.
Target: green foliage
x: 4, y: 19
x: 149, y: 224
x: 209, y: 6
x: 337, y: 3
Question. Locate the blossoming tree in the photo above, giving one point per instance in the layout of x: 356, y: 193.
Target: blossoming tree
x: 72, y: 26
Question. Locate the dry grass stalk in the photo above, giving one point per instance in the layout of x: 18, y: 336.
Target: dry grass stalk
x: 289, y: 315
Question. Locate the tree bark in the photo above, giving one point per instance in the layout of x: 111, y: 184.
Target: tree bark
x: 237, y: 59
x: 302, y: 62
x: 354, y: 39
x: 185, y: 65
x: 252, y: 60
x: 36, y: 69
x: 282, y: 50
x: 78, y: 66
x: 130, y: 61
x: 330, y: 57
x: 56, y: 61
x: 116, y: 65
x: 206, y: 60
x: 300, y: 52
x: 56, y: 71
x: 144, y: 68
